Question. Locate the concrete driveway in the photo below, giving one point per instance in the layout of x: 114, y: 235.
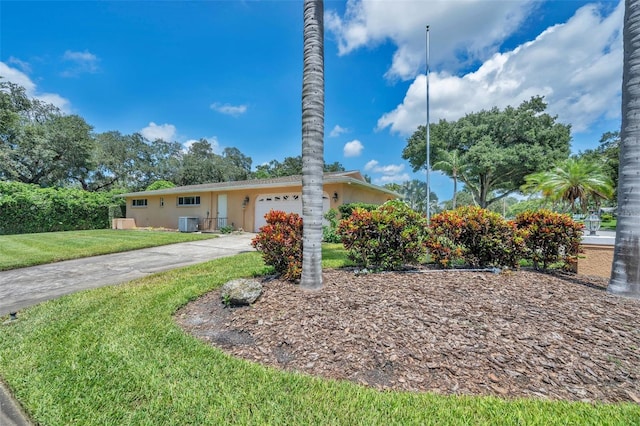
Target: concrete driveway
x: 20, y: 288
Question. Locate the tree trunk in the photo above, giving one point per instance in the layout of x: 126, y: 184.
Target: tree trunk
x: 312, y: 143
x: 455, y: 191
x: 625, y: 271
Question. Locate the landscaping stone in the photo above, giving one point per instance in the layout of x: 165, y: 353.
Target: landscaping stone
x: 241, y: 292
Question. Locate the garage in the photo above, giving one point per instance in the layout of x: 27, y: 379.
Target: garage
x: 287, y: 202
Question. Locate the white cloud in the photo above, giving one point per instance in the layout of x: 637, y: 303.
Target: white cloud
x: 20, y: 78
x: 213, y: 140
x: 577, y: 66
x: 153, y: 131
x: 390, y: 172
x: 82, y: 62
x: 353, y: 148
x: 473, y: 29
x: 337, y: 131
x: 232, y: 110
x: 399, y: 178
x: 24, y: 66
x: 370, y: 165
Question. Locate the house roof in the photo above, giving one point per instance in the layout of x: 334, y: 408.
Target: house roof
x: 348, y: 177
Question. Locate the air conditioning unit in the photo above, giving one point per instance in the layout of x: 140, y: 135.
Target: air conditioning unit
x: 188, y: 224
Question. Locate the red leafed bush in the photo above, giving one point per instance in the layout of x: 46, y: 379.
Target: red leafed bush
x: 443, y: 238
x: 551, y: 237
x: 386, y: 238
x: 280, y: 242
x: 477, y: 236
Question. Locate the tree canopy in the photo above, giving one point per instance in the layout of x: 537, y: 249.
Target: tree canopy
x: 290, y: 166
x: 38, y: 144
x: 572, y: 180
x: 41, y: 145
x: 500, y: 147
x: 607, y: 155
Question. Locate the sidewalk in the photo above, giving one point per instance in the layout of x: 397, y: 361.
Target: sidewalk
x: 604, y: 238
x: 20, y: 288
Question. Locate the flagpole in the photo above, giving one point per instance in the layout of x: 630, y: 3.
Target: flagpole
x: 428, y: 162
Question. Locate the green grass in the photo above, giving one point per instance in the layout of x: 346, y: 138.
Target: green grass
x: 18, y: 251
x: 334, y: 256
x: 609, y: 225
x: 114, y: 356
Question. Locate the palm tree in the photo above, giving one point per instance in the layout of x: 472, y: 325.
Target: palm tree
x: 625, y: 271
x: 453, y: 165
x: 414, y: 193
x: 570, y: 181
x: 312, y: 143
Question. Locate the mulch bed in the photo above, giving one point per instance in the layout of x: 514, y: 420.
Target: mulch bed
x: 514, y: 334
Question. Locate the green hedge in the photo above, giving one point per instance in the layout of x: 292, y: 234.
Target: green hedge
x: 26, y: 209
x: 347, y: 209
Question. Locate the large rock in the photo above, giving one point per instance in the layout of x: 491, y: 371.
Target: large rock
x: 242, y: 291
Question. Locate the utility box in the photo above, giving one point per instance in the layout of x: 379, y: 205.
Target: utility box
x: 188, y: 224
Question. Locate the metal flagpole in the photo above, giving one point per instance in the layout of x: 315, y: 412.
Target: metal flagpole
x: 428, y: 162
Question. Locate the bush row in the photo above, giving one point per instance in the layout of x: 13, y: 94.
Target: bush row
x: 482, y: 238
x: 393, y: 235
x: 28, y: 208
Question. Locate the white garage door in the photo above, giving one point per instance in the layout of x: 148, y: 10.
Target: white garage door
x: 286, y: 202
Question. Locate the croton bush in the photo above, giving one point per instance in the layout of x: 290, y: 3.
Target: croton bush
x: 394, y: 235
x: 280, y: 242
x: 476, y: 237
x: 386, y: 238
x: 551, y: 237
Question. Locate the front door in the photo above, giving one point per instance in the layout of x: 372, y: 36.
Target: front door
x: 222, y: 211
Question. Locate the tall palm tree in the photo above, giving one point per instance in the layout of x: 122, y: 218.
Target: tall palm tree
x: 414, y: 193
x: 312, y: 143
x: 453, y: 165
x: 572, y: 180
x: 625, y: 271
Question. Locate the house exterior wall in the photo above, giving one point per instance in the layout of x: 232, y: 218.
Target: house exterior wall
x: 358, y: 194
x: 239, y: 215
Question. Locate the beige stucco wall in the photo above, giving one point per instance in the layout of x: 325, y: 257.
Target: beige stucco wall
x: 167, y: 216
x: 358, y: 194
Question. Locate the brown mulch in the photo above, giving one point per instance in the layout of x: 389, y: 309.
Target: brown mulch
x: 515, y: 334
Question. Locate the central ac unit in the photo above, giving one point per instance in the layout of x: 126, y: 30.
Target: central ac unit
x: 188, y: 224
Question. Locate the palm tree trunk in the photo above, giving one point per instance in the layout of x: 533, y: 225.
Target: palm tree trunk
x: 625, y: 272
x: 455, y: 191
x: 312, y: 143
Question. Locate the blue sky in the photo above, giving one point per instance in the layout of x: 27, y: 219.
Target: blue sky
x: 231, y: 71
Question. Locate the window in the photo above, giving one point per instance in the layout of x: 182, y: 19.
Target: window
x: 142, y: 202
x: 189, y: 201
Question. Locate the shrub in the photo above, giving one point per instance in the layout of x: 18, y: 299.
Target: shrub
x: 28, y: 208
x: 227, y: 229
x: 551, y: 237
x: 347, y: 209
x: 280, y: 242
x: 442, y: 239
x: 386, y: 238
x: 606, y: 217
x: 477, y: 236
x: 330, y: 232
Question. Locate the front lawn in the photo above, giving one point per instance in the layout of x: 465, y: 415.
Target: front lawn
x: 114, y: 355
x: 18, y: 251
